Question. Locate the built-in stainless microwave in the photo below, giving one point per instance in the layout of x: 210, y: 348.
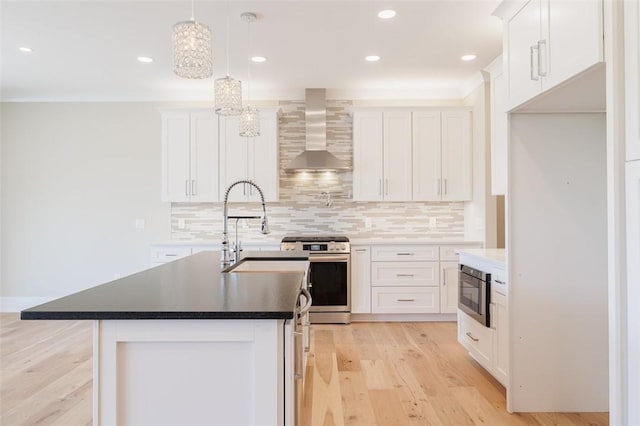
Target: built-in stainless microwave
x: 474, y: 293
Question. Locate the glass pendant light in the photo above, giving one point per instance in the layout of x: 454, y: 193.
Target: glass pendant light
x: 228, y: 90
x: 250, y: 117
x: 192, y: 51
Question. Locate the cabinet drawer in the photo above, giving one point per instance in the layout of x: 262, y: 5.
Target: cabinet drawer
x: 405, y: 300
x: 163, y: 255
x: 477, y: 338
x: 405, y: 274
x: 406, y: 253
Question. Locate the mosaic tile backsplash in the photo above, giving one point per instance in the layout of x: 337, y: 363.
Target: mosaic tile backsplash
x: 302, y: 208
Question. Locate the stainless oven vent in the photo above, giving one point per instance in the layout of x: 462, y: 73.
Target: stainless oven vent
x: 315, y: 157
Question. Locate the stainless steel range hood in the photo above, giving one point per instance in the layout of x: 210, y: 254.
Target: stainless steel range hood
x: 315, y: 157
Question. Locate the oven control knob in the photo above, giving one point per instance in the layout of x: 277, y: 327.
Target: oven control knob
x: 342, y: 247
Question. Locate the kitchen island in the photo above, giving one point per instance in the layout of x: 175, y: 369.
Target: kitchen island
x: 185, y: 343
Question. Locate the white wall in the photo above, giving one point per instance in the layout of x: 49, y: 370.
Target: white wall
x: 75, y: 176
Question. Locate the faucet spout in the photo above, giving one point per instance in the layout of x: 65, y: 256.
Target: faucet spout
x: 225, y: 255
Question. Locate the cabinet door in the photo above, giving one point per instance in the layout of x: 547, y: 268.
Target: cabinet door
x: 427, y: 168
x: 367, y: 156
x: 574, y: 44
x: 405, y: 274
x: 397, y: 156
x: 233, y: 159
x: 263, y: 159
x: 632, y: 74
x: 449, y: 287
x: 361, y: 280
x: 204, y: 183
x: 404, y: 300
x: 175, y: 145
x: 456, y: 156
x: 500, y: 323
x: 522, y: 32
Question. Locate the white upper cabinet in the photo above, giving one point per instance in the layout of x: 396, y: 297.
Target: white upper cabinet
x: 427, y: 165
x: 397, y: 156
x: 254, y: 159
x: 367, y: 155
x: 421, y: 155
x: 382, y: 155
x: 189, y: 156
x: 442, y: 155
x: 546, y: 42
x: 632, y: 73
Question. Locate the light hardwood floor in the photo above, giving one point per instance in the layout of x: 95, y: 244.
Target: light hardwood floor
x: 361, y: 374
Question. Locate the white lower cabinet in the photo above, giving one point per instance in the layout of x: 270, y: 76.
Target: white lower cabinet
x: 361, y: 279
x: 500, y: 323
x: 490, y: 345
x: 449, y: 287
x: 477, y: 338
x: 405, y: 300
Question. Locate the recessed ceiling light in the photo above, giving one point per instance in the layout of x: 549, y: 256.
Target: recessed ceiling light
x: 145, y: 59
x: 386, y: 14
x: 25, y: 49
x: 468, y: 57
x: 258, y: 59
x: 372, y: 58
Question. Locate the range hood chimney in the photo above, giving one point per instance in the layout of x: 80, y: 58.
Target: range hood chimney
x: 315, y: 157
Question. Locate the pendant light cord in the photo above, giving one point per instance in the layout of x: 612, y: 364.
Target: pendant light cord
x: 248, y: 60
x: 193, y: 15
x: 228, y: 38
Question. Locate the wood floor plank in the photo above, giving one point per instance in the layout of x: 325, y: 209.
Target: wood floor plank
x: 326, y: 407
x: 357, y: 407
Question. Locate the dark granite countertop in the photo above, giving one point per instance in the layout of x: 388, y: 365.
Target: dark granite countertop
x: 188, y: 288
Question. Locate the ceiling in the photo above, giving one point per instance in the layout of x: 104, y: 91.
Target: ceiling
x: 86, y: 50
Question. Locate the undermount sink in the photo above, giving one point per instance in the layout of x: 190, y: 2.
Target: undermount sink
x: 258, y: 265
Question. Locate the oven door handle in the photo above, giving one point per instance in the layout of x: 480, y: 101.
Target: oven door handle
x: 304, y: 309
x: 329, y: 258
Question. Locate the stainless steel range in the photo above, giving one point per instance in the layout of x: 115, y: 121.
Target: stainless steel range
x: 329, y: 276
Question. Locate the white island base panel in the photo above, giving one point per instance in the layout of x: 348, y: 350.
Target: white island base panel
x: 188, y: 372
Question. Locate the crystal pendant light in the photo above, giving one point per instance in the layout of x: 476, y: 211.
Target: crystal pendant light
x: 192, y: 52
x: 250, y: 117
x: 228, y: 90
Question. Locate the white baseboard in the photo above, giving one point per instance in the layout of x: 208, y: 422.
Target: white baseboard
x: 17, y: 304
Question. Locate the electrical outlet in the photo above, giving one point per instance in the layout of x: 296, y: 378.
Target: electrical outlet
x: 139, y: 223
x: 433, y: 222
x: 368, y: 223
x: 181, y: 224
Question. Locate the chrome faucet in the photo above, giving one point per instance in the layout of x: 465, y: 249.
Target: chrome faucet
x: 225, y: 258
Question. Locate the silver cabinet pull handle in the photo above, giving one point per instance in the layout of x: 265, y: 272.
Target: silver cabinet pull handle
x: 445, y: 186
x: 404, y: 275
x: 405, y: 254
x: 533, y: 76
x: 406, y: 300
x: 471, y: 337
x: 186, y: 187
x: 193, y: 187
x: 542, y: 72
x: 500, y: 282
x: 361, y: 250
